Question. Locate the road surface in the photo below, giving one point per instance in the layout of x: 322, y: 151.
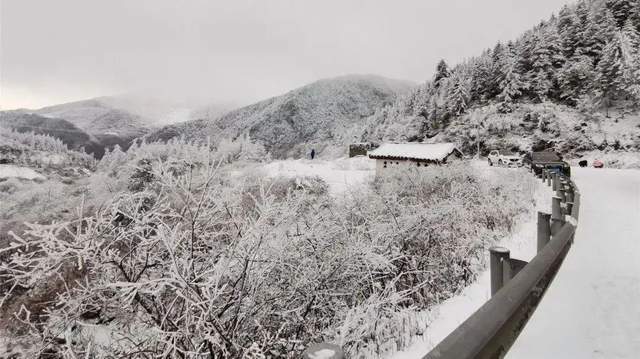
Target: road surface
x: 592, y: 309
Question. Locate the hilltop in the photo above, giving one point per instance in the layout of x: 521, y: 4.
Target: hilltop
x: 326, y: 113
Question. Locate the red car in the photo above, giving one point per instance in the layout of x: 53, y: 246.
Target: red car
x: 598, y: 164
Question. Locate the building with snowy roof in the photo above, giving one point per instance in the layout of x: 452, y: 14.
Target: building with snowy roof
x: 413, y: 155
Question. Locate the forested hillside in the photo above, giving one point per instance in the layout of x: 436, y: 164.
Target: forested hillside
x: 326, y: 113
x: 585, y: 60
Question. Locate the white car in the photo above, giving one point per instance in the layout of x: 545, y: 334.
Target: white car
x: 504, y: 158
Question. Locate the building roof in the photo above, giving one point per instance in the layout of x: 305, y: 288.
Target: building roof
x: 414, y: 151
x: 545, y: 156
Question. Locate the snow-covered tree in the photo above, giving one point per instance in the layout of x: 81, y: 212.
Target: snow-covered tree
x: 631, y: 56
x: 622, y: 9
x: 576, y: 78
x: 481, y: 72
x: 458, y: 93
x: 617, y: 70
x: 546, y: 59
x: 569, y: 29
x: 512, y: 84
x: 442, y: 72
x: 600, y: 28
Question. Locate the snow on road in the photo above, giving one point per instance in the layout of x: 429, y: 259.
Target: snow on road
x: 443, y: 319
x: 592, y: 308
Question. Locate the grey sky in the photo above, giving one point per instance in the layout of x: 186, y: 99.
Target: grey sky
x: 222, y: 51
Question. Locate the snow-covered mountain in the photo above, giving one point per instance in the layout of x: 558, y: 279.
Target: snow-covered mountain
x: 100, y: 123
x: 98, y: 117
x: 326, y: 113
x: 70, y: 134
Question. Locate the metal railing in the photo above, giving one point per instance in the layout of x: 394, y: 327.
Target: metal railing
x: 517, y: 287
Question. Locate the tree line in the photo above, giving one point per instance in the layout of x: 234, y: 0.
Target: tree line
x: 587, y: 56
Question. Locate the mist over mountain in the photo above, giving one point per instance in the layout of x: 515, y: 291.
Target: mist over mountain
x: 326, y: 113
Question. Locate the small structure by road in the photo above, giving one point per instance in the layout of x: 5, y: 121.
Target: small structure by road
x: 417, y: 155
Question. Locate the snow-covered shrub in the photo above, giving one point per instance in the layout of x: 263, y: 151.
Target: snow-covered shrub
x: 192, y: 260
x: 40, y: 150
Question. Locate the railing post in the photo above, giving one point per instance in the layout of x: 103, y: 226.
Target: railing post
x: 498, y: 255
x: 561, y: 193
x: 548, y: 179
x: 569, y: 194
x: 544, y: 230
x: 557, y: 218
x: 555, y: 180
x: 323, y: 351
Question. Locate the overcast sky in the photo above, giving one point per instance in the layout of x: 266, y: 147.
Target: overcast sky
x: 237, y: 50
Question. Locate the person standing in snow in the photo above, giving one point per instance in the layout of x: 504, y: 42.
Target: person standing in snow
x: 313, y: 153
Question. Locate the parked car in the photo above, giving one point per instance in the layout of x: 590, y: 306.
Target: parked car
x: 548, y: 159
x: 583, y: 163
x: 504, y: 158
x: 598, y: 164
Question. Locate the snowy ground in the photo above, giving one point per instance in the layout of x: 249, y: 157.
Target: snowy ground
x: 339, y: 174
x: 443, y: 319
x: 9, y: 171
x: 591, y: 310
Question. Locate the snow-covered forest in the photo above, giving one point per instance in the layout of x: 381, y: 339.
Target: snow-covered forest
x: 586, y: 57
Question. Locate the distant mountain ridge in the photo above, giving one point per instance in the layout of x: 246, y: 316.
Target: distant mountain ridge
x: 99, y: 123
x: 97, y: 117
x: 70, y: 134
x: 325, y: 113
x: 89, y: 124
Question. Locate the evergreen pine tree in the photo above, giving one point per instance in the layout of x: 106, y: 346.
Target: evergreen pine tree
x: 526, y: 49
x: 442, y: 72
x: 582, y: 18
x: 622, y: 9
x: 617, y: 70
x: 630, y: 42
x: 546, y: 58
x: 569, y: 28
x: 458, y: 93
x: 497, y: 74
x: 511, y: 85
x: 600, y: 28
x: 481, y: 77
x: 576, y: 78
x: 634, y: 17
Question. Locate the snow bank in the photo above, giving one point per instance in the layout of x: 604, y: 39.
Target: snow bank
x: 339, y: 174
x: 9, y: 171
